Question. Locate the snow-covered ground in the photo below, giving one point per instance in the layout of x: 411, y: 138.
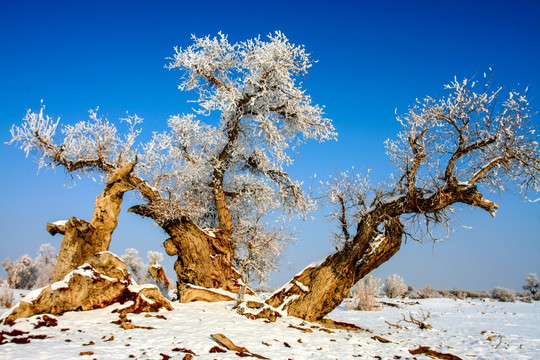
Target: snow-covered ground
x: 470, y: 329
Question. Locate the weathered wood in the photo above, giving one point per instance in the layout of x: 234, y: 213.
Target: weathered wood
x: 226, y: 342
x: 83, y: 239
x: 318, y: 290
x: 204, y: 259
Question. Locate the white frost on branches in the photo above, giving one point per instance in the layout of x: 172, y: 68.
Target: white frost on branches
x: 469, y: 137
x: 218, y: 175
x: 474, y: 138
x: 88, y: 146
x: 28, y: 273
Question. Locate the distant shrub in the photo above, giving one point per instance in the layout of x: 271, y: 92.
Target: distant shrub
x: 446, y: 293
x: 478, y: 294
x: 45, y: 263
x: 27, y: 273
x: 7, y: 296
x: 366, y: 290
x: 532, y: 285
x: 503, y: 294
x: 426, y: 293
x: 459, y: 294
x: 22, y: 274
x: 394, y: 286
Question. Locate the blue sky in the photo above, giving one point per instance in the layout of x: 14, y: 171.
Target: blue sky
x: 373, y: 57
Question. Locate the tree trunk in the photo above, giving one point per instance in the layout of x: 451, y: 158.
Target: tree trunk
x: 83, y: 239
x: 204, y: 260
x: 318, y: 289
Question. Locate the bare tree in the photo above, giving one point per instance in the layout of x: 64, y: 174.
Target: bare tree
x: 453, y: 150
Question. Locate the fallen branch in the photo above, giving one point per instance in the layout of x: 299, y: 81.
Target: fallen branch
x: 340, y: 325
x: 381, y: 339
x: 394, y: 325
x: 421, y: 323
x: 226, y: 342
x: 300, y: 328
x: 427, y: 351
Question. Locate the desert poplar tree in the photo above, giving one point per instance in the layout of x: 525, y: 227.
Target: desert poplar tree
x: 216, y: 180
x: 453, y: 152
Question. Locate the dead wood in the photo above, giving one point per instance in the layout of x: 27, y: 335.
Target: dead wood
x: 381, y: 339
x: 420, y: 323
x: 83, y: 239
x: 226, y: 342
x: 427, y: 351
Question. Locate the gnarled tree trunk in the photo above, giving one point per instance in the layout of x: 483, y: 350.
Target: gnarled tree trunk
x: 317, y: 290
x: 83, y: 239
x: 204, y: 260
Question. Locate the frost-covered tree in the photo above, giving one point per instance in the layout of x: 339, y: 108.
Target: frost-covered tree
x: 90, y: 147
x: 365, y: 292
x: 532, y: 285
x: 22, y: 274
x: 27, y: 273
x: 394, y: 286
x: 135, y: 264
x: 452, y: 151
x: 199, y: 180
x: 45, y: 262
x: 222, y: 177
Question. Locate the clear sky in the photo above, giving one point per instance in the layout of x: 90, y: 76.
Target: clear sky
x: 373, y: 57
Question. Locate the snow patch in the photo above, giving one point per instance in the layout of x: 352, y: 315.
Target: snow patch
x: 59, y: 285
x: 32, y: 295
x: 135, y: 288
x: 302, y: 287
x: 147, y: 300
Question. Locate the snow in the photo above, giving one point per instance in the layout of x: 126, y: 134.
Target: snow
x: 32, y: 295
x: 460, y: 327
x: 135, y: 288
x: 302, y: 287
x: 60, y: 223
x: 59, y: 285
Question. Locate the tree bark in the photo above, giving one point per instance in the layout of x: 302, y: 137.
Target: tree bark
x: 83, y: 239
x: 204, y: 259
x: 317, y: 290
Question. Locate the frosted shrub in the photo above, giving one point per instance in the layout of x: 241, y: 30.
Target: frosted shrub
x: 426, y: 293
x: 366, y: 290
x: 532, y: 285
x: 503, y: 294
x: 155, y: 273
x: 45, y: 263
x: 134, y: 264
x: 7, y: 296
x: 21, y: 274
x: 394, y: 286
x: 154, y: 257
x: 151, y: 273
